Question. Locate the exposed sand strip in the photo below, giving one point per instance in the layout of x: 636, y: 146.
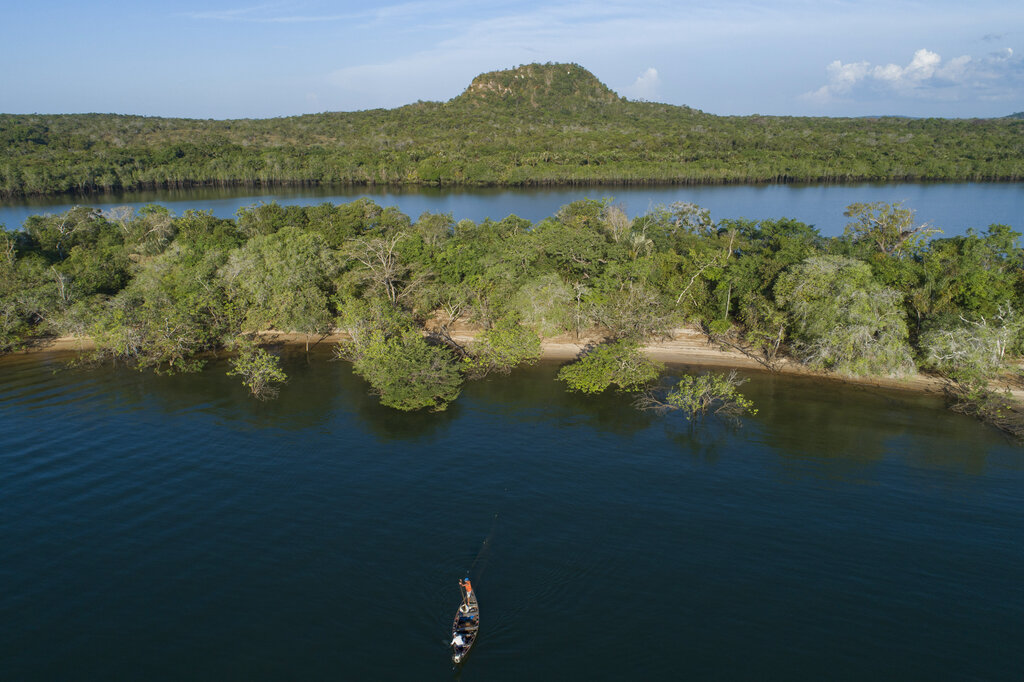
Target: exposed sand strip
x: 685, y: 346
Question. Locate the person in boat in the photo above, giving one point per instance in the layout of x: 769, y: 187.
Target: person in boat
x: 457, y: 641
x: 467, y: 591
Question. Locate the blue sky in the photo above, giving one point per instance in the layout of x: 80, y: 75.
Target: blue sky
x: 220, y: 59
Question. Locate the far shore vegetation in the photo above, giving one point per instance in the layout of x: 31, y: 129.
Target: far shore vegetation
x: 550, y: 124
x: 889, y: 298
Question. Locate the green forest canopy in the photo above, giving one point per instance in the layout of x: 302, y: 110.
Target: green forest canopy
x: 537, y: 124
x: 158, y: 290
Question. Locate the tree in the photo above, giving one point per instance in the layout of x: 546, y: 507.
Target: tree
x: 505, y: 345
x: 283, y: 280
x: 969, y: 356
x: 577, y: 248
x: 765, y: 249
x: 668, y: 227
x: 151, y: 231
x: 405, y: 371
x: 545, y: 304
x: 260, y: 371
x: 842, y: 320
x: 889, y: 228
x: 690, y: 218
x: 379, y: 263
x: 631, y: 311
x: 265, y: 219
x: 698, y: 396
x: 973, y: 352
x: 54, y: 236
x: 174, y: 308
x: 16, y: 317
x: 971, y: 275
x: 619, y: 364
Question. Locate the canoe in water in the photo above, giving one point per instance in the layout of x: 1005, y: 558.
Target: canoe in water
x: 466, y: 624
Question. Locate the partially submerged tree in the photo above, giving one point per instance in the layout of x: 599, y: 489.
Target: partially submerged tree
x: 619, y: 364
x: 260, y: 371
x: 708, y: 394
x: 406, y: 371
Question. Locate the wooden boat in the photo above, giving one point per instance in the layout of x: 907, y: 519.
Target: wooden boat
x: 466, y: 624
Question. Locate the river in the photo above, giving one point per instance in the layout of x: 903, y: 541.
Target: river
x: 170, y: 528
x: 951, y: 207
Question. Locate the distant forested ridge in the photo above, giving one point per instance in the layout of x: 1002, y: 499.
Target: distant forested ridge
x: 535, y: 125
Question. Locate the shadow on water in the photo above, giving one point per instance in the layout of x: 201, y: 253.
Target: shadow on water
x: 706, y: 441
x: 847, y: 430
x: 330, y: 384
x: 851, y: 429
x: 532, y: 394
x: 319, y: 391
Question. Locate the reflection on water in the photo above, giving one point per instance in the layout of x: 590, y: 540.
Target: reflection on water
x: 951, y: 207
x: 855, y: 428
x: 168, y: 528
x: 846, y: 429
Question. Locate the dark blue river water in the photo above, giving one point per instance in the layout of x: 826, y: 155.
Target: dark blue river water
x: 951, y: 207
x: 169, y: 528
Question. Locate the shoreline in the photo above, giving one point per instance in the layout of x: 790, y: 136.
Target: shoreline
x: 537, y: 183
x: 684, y: 346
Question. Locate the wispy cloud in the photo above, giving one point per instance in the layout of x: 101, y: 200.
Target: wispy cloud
x: 927, y: 76
x: 291, y: 13
x: 270, y: 13
x: 503, y: 34
x: 391, y: 52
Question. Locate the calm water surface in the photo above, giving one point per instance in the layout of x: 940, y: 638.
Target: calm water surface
x: 952, y: 207
x: 169, y: 528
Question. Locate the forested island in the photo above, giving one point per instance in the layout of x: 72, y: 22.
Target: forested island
x: 551, y: 124
x: 888, y: 298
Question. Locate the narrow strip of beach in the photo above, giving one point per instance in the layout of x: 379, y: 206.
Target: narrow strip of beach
x: 682, y: 346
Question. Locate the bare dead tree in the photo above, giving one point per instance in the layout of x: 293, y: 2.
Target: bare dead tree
x: 378, y: 256
x: 121, y: 215
x: 616, y: 222
x: 63, y: 286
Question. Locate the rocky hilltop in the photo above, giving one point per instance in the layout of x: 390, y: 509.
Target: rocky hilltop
x: 539, y: 86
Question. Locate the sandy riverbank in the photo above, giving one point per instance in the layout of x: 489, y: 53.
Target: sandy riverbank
x: 684, y: 346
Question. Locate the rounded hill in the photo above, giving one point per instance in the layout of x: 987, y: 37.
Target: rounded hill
x: 538, y: 86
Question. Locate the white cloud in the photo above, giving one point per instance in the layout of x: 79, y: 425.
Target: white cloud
x: 927, y: 76
x: 645, y: 86
x: 921, y: 67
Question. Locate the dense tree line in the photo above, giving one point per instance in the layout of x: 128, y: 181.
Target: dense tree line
x: 163, y: 291
x: 539, y: 124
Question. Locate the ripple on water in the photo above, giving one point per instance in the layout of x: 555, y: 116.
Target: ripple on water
x: 170, y: 528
